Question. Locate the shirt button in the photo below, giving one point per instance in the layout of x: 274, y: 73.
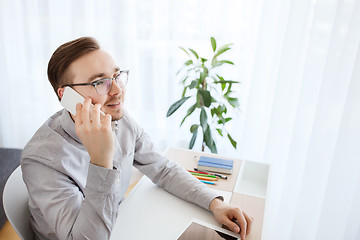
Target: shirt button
x: 118, y: 180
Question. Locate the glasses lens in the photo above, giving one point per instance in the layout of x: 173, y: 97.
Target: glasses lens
x: 121, y: 79
x: 103, y: 86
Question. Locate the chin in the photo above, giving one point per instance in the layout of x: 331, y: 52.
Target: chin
x: 117, y: 115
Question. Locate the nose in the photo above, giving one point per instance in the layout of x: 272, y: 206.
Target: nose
x: 115, y: 89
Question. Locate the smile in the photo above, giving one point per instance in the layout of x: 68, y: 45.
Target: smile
x: 114, y: 104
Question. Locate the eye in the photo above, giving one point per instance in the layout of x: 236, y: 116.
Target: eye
x: 117, y: 77
x: 98, y: 83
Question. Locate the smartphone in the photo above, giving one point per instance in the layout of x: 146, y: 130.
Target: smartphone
x: 70, y: 98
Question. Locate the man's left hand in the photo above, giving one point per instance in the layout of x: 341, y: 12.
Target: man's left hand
x: 225, y: 213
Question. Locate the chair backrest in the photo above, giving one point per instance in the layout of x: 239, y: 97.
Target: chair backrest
x: 15, y: 200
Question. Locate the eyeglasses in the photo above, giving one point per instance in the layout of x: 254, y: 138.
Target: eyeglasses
x: 103, y: 86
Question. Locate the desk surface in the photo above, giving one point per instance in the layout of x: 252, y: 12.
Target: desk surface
x: 139, y: 216
x: 149, y: 212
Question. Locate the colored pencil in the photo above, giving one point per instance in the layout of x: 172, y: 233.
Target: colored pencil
x: 205, y: 178
x: 201, y: 174
x: 214, y: 174
x: 212, y: 183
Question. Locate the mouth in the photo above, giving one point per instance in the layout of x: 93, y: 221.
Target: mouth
x: 115, y: 105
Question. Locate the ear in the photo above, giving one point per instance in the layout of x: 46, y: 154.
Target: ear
x: 60, y: 92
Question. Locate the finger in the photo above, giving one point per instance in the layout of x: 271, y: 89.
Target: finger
x: 106, y: 120
x: 78, y: 113
x: 102, y: 115
x: 231, y: 225
x: 242, y: 222
x: 86, y: 111
x: 96, y: 114
x: 250, y: 221
x: 78, y: 120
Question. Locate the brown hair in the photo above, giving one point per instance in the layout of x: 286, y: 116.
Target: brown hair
x: 64, y: 56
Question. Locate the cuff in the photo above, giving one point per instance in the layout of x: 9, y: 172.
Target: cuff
x: 103, y: 179
x: 220, y: 198
x: 206, y: 197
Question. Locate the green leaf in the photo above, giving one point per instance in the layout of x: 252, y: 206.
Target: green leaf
x: 176, y: 105
x: 228, y: 119
x: 222, y: 108
x: 221, y: 120
x: 184, y: 51
x: 184, y: 92
x: 219, y: 111
x: 204, y: 97
x: 213, y: 148
x: 227, y: 61
x: 213, y: 43
x: 219, y: 63
x: 223, y: 49
x: 233, y: 102
x: 203, y: 118
x: 203, y: 60
x: 179, y: 71
x: 220, y: 77
x: 189, y: 112
x: 226, y: 81
x: 209, y: 140
x: 228, y: 91
x: 207, y: 137
x: 193, y: 84
x: 224, y: 120
x: 233, y: 142
x: 184, y: 80
x: 203, y: 75
x: 213, y: 61
x: 223, y: 86
x: 193, y: 139
x: 188, y: 62
x: 191, y: 69
x: 206, y: 70
x: 195, y: 54
x: 219, y: 131
x: 194, y: 128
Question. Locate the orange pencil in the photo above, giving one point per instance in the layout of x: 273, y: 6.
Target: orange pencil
x: 205, y: 178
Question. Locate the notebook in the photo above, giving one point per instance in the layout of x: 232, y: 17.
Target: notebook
x: 212, y: 164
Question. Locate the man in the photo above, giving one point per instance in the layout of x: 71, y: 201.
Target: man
x: 77, y: 168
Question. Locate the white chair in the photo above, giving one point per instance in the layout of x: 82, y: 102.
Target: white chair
x: 15, y: 200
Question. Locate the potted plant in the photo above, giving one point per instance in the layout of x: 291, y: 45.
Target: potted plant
x: 210, y: 93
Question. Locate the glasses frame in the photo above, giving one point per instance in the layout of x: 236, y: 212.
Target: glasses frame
x: 103, y: 79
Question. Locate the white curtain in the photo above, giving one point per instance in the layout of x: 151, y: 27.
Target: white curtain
x: 299, y: 67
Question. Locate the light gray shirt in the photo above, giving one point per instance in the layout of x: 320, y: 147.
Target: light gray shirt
x: 70, y: 198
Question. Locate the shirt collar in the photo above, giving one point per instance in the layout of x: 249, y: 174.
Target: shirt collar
x: 68, y: 125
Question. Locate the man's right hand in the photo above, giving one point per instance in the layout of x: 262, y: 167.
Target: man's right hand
x: 95, y: 133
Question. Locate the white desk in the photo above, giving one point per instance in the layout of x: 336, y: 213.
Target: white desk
x: 149, y: 212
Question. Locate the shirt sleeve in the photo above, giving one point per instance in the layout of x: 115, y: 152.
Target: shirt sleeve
x: 69, y: 212
x: 169, y: 175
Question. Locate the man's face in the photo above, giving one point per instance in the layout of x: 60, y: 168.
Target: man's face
x: 94, y: 66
